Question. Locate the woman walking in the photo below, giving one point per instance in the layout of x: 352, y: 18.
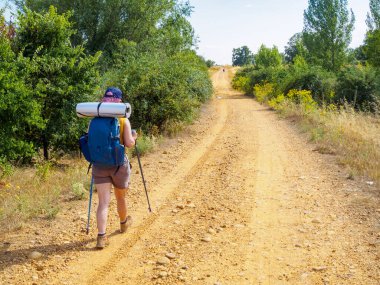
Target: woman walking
x: 117, y: 176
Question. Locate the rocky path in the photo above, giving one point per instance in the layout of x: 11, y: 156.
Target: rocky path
x: 241, y: 198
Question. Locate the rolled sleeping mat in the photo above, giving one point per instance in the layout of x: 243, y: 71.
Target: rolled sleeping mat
x: 96, y: 109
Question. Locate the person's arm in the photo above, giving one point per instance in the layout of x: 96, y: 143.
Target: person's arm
x: 129, y: 140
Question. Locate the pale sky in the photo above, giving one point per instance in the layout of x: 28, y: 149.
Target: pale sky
x: 222, y: 25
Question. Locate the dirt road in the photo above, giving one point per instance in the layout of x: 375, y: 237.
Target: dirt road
x: 241, y: 198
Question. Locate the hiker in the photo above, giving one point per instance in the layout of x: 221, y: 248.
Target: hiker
x: 118, y: 176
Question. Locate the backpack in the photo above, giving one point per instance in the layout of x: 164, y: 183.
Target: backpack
x: 101, y: 145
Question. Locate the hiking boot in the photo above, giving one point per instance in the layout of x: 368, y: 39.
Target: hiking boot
x: 126, y: 224
x: 101, y: 242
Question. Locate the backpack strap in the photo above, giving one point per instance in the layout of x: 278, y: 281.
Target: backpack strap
x: 89, y: 167
x: 98, y: 108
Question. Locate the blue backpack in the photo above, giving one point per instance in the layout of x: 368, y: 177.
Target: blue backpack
x: 101, y: 146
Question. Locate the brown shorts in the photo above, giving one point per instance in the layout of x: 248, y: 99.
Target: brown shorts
x: 118, y: 177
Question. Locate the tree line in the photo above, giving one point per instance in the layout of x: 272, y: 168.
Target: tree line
x: 55, y: 54
x: 319, y: 59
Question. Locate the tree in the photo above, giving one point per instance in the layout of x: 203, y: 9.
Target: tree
x: 372, y: 39
x: 242, y: 56
x: 357, y: 55
x: 327, y: 32
x: 268, y: 57
x: 210, y: 63
x: 59, y: 75
x: 357, y: 86
x: 162, y: 89
x: 101, y: 23
x: 373, y: 18
x: 372, y: 47
x: 295, y: 47
x: 19, y: 111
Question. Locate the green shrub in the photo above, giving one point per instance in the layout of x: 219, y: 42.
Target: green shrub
x: 6, y: 169
x: 372, y: 46
x: 78, y: 191
x: 320, y: 82
x: 277, y: 102
x: 268, y: 57
x: 59, y: 74
x: 357, y: 85
x: 162, y: 89
x: 263, y: 91
x: 43, y: 170
x: 246, y: 78
x: 145, y: 144
x: 19, y: 111
x: 40, y: 87
x: 301, y: 98
x: 241, y: 83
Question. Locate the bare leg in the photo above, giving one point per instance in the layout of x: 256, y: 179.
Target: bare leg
x: 121, y: 203
x: 104, y: 195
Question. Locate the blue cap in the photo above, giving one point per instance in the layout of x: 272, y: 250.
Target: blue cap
x: 113, y: 92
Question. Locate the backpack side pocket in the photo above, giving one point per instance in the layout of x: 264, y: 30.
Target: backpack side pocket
x: 84, y: 148
x: 119, y: 154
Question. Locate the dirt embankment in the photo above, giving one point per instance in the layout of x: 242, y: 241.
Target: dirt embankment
x: 241, y: 198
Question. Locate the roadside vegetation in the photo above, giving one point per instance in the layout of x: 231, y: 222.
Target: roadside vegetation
x: 331, y: 91
x: 55, y: 54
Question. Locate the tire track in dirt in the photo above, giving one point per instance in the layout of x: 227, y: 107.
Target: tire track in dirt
x: 143, y: 229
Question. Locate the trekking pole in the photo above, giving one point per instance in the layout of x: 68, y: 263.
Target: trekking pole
x: 89, y: 206
x: 142, y: 175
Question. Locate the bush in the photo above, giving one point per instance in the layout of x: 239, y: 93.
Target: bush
x: 246, y: 79
x: 241, y: 83
x: 145, y: 144
x: 302, y: 98
x: 162, y: 89
x: 357, y: 85
x: 78, y: 191
x: 40, y: 87
x: 19, y: 111
x: 277, y: 102
x: 268, y: 57
x: 6, y: 169
x: 321, y: 83
x: 263, y: 91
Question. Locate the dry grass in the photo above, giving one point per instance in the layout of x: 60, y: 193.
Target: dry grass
x: 35, y: 192
x: 354, y: 136
x: 214, y: 69
x: 38, y: 191
x: 233, y: 69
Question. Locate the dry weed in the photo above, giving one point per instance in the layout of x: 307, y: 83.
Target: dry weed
x: 35, y: 192
x: 354, y: 136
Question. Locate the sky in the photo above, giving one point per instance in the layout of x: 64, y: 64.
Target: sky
x: 222, y: 25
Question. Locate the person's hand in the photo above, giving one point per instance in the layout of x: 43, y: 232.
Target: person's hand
x: 134, y: 134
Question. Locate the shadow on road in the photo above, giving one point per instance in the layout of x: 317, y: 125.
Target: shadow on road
x: 20, y: 256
